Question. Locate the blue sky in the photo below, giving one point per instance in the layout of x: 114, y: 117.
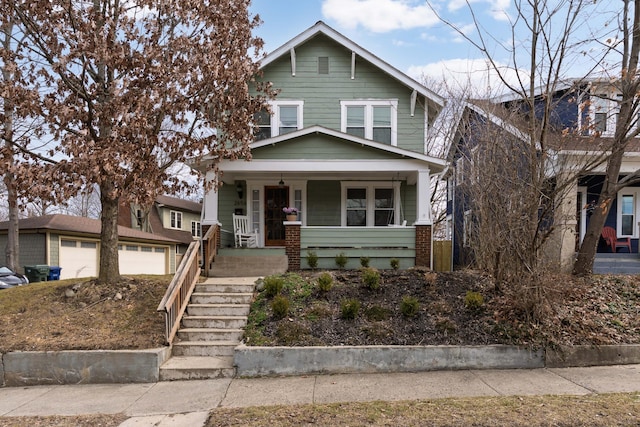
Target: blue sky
x: 408, y: 35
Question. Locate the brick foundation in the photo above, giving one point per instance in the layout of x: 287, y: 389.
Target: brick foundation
x: 292, y: 239
x: 423, y: 246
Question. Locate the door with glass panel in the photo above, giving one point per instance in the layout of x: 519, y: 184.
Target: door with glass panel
x: 275, y: 199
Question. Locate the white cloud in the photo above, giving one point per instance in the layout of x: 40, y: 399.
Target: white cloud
x: 470, y: 77
x: 379, y: 16
x: 497, y: 9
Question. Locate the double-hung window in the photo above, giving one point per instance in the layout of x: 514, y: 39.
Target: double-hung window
x: 196, y: 229
x: 370, y: 204
x: 175, y: 218
x: 285, y: 117
x: 371, y: 119
x: 627, y: 212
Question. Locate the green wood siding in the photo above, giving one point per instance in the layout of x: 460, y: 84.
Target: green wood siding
x: 358, y: 237
x: 408, y: 197
x: 323, y: 203
x: 322, y: 93
x: 320, y: 147
x: 227, y: 203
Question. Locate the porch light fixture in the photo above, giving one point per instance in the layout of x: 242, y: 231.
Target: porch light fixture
x: 281, y: 183
x: 239, y: 190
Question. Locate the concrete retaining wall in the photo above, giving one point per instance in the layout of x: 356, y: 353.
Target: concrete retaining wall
x: 258, y: 361
x: 587, y: 355
x: 82, y: 367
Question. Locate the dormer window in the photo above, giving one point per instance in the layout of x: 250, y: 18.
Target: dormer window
x: 371, y: 119
x: 286, y: 117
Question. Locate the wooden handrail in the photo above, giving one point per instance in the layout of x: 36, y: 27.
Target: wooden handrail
x: 175, y: 300
x: 210, y: 242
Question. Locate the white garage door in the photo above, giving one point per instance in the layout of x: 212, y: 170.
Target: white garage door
x: 142, y: 259
x: 78, y: 258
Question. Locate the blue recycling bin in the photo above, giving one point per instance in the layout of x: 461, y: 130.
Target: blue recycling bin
x: 54, y: 272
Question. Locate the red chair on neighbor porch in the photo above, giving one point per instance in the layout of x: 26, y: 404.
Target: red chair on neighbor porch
x: 609, y: 236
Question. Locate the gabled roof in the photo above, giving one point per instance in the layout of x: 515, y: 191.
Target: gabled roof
x: 80, y: 225
x: 435, y: 162
x: 182, y: 204
x: 322, y: 28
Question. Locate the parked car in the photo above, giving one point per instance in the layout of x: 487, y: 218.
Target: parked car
x: 10, y: 279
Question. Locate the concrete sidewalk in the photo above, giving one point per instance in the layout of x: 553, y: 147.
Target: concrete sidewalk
x: 186, y: 403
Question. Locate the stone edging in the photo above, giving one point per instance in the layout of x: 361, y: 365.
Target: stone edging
x: 143, y: 366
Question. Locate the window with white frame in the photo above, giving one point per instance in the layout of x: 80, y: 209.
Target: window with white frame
x: 285, y: 117
x: 370, y: 204
x: 627, y: 212
x: 196, y: 230
x: 376, y: 120
x: 175, y: 218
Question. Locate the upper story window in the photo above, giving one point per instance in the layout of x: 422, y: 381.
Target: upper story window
x: 196, y: 230
x: 376, y: 120
x: 285, y: 117
x: 175, y: 219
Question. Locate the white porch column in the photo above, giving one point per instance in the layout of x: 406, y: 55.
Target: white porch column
x: 423, y: 198
x: 210, y: 204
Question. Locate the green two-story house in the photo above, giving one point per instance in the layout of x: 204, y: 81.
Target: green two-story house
x: 345, y: 144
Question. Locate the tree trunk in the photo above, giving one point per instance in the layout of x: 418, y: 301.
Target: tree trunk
x: 587, y: 254
x: 12, y: 253
x: 109, y: 265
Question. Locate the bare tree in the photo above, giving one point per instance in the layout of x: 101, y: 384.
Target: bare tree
x: 518, y: 188
x: 628, y: 85
x: 131, y: 82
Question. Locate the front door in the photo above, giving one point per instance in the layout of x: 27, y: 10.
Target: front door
x: 275, y: 199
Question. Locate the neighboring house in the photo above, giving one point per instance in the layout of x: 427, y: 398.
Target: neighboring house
x: 345, y: 143
x: 585, y: 114
x: 169, y: 217
x: 73, y: 243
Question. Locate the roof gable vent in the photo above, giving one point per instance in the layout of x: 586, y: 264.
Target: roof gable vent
x: 323, y: 65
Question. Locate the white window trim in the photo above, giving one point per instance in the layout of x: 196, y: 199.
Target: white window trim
x: 635, y: 192
x: 198, y: 228
x: 177, y: 214
x: 368, y: 116
x: 275, y: 114
x: 370, y: 186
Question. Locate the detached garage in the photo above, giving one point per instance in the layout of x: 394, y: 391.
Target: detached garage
x: 73, y: 243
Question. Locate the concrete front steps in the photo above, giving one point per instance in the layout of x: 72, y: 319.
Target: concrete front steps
x: 243, y: 262
x: 211, y: 329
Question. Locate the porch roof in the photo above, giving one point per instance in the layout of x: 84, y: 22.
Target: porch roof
x: 434, y: 164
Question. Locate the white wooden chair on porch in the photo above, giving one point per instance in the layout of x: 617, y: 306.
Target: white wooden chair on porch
x: 241, y: 231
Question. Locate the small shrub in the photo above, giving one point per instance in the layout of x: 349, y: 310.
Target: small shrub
x: 473, y: 300
x: 325, y: 282
x: 273, y: 285
x: 364, y: 261
x: 349, y: 308
x: 341, y: 260
x: 430, y: 277
x: 290, y: 333
x: 395, y: 263
x: 409, y: 306
x: 376, y: 313
x: 312, y: 259
x: 280, y: 306
x: 371, y: 278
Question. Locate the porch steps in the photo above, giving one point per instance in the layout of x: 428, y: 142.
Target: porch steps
x: 211, y: 329
x: 242, y: 266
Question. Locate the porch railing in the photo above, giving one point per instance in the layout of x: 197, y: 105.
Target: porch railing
x: 175, y: 300
x: 210, y: 244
